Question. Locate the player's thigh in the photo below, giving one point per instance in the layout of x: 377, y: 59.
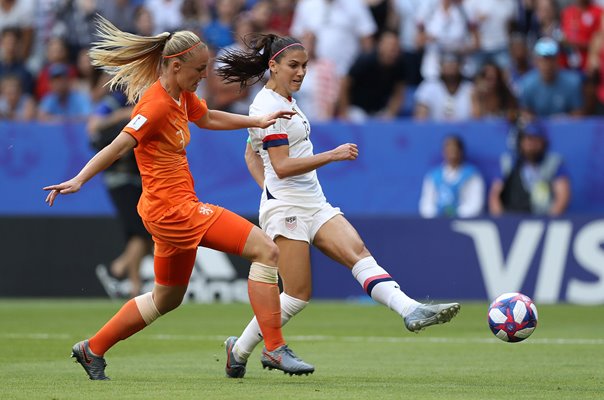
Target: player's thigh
x: 260, y: 248
x: 338, y: 240
x: 233, y: 234
x: 294, y: 267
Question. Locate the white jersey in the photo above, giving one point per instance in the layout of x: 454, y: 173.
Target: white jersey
x: 300, y: 189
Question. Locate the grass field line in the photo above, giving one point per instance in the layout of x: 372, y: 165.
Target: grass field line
x: 329, y: 338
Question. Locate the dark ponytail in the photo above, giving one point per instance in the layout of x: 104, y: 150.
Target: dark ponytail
x: 249, y: 65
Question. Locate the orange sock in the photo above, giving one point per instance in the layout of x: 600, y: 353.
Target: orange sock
x: 124, y: 324
x: 264, y: 298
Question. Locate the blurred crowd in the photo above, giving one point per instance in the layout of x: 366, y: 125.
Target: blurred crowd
x: 443, y: 60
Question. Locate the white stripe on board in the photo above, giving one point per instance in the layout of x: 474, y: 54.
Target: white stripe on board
x: 327, y: 338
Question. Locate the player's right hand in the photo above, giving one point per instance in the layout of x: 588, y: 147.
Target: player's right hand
x: 346, y: 151
x: 67, y: 187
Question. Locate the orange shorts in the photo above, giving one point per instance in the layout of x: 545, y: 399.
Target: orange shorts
x: 183, y: 228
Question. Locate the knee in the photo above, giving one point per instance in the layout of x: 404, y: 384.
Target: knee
x: 165, y: 304
x: 267, y: 253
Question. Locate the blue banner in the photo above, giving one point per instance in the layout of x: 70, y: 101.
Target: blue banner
x: 550, y: 260
x: 385, y: 180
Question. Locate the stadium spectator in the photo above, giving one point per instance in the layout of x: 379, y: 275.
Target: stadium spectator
x: 595, y: 69
x: 260, y: 14
x: 282, y: 16
x: 293, y: 208
x: 45, y: 22
x: 491, y: 97
x: 520, y: 62
x: 448, y: 98
x: 411, y: 14
x: 123, y: 182
x: 63, y: 103
x: 218, y: 33
x: 534, y: 180
x: 15, y: 104
x: 450, y: 28
x: 319, y: 94
x: 548, y: 90
x: 56, y: 53
x: 169, y: 207
x: 76, y: 25
x: 196, y: 14
x: 493, y: 19
x: 375, y: 84
x: 119, y: 12
x: 384, y: 16
x: 143, y: 21
x: 166, y: 14
x: 455, y: 188
x: 230, y: 96
x: 19, y: 14
x: 344, y: 29
x: 89, y: 79
x: 580, y: 21
x: 10, y: 63
x: 547, y: 15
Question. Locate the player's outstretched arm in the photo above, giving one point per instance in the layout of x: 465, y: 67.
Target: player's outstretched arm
x: 221, y: 120
x: 103, y: 159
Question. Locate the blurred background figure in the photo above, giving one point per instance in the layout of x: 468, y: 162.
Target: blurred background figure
x: 491, y: 97
x: 123, y: 183
x: 282, y: 16
x: 520, y: 62
x: 19, y: 14
x: 229, y: 96
x: 56, y: 53
x: 319, y: 93
x: 15, y: 104
x: 493, y: 20
x: 447, y: 28
x: 218, y: 32
x: 375, y: 84
x: 342, y: 28
x: 10, y: 61
x: 63, y: 103
x: 549, y: 90
x: 119, y: 12
x: 532, y: 181
x: 447, y: 98
x: 455, y: 188
x: 580, y: 21
x: 166, y: 15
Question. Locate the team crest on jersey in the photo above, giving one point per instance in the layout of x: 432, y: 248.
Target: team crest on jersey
x: 137, y: 122
x: 205, y: 210
x: 291, y: 223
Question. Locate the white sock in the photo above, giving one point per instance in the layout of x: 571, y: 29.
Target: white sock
x: 378, y: 284
x: 251, y: 335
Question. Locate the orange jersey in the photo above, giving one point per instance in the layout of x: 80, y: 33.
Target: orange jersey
x: 160, y: 126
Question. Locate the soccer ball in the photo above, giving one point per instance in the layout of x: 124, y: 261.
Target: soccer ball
x: 512, y: 317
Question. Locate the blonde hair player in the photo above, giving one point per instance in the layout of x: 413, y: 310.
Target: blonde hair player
x: 293, y: 209
x: 162, y: 73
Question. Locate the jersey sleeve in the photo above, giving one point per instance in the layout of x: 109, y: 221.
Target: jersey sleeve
x: 147, y: 118
x: 275, y: 135
x: 196, y: 107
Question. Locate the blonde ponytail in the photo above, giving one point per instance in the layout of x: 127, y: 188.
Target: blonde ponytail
x: 135, y: 61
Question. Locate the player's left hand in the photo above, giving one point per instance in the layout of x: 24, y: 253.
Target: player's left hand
x: 267, y: 120
x: 67, y: 187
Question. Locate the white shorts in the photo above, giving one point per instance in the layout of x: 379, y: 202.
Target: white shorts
x: 297, y: 222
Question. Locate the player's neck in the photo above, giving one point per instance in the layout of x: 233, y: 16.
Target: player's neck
x: 172, y: 90
x: 280, y: 91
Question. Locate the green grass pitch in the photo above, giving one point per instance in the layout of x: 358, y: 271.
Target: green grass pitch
x: 360, y: 351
